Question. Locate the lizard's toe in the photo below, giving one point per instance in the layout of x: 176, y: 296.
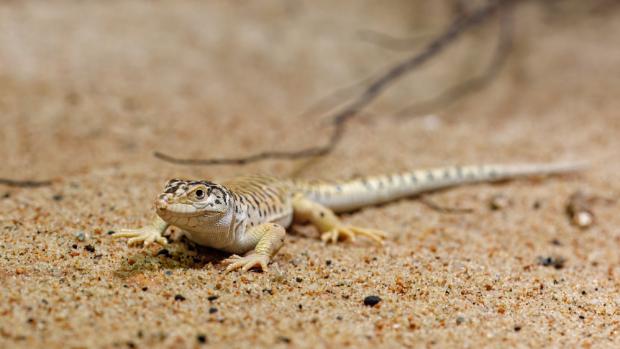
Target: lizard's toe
x: 247, y: 262
x: 375, y: 235
x: 125, y: 233
x: 329, y: 236
x: 141, y: 236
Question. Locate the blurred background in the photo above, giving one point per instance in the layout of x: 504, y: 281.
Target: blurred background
x: 89, y: 90
x: 89, y: 84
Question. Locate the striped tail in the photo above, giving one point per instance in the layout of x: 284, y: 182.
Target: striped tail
x: 357, y: 193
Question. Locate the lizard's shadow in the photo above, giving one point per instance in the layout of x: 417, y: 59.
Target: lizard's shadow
x: 179, y: 254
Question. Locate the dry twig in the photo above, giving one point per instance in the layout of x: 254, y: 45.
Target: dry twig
x: 376, y: 88
x: 471, y: 85
x: 443, y: 209
x: 24, y: 183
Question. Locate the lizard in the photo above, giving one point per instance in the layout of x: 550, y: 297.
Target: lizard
x: 248, y: 215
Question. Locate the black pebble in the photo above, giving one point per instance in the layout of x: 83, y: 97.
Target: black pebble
x: 328, y: 262
x: 89, y: 248
x: 556, y: 262
x: 517, y: 328
x: 371, y: 301
x: 145, y: 288
x: 284, y: 339
x: 74, y: 246
x: 179, y: 298
x: 212, y: 298
x: 201, y: 338
x: 298, y: 279
x: 111, y: 232
x: 163, y: 252
x: 168, y: 272
x: 57, y: 197
x: 212, y: 310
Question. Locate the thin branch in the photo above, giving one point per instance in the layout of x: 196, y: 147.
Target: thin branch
x: 471, y: 85
x: 391, y: 43
x: 442, y: 209
x: 374, y: 90
x: 24, y: 183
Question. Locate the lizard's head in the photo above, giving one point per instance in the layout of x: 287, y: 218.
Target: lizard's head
x: 183, y: 198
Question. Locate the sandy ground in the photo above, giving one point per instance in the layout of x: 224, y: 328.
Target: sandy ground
x: 88, y: 90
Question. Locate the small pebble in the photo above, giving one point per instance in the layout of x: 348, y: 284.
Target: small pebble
x: 89, y: 248
x: 517, y: 328
x: 212, y: 298
x: 145, y: 288
x: 553, y: 261
x: 168, y: 272
x: 284, y: 339
x: 163, y: 252
x: 579, y: 210
x: 111, y: 232
x: 212, y: 310
x: 556, y: 242
x: 179, y: 298
x: 80, y: 235
x: 298, y: 279
x: 371, y: 301
x: 201, y: 338
x: 499, y: 202
x: 460, y: 320
x: 57, y: 197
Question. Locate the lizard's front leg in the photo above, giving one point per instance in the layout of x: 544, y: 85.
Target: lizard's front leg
x: 328, y: 223
x: 269, y: 238
x: 147, y: 234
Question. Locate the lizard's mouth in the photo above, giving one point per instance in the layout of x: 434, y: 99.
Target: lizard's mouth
x: 183, y: 210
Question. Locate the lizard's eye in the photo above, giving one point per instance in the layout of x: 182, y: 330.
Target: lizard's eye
x: 200, y: 193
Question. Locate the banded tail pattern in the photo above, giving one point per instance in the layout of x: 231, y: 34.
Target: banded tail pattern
x: 357, y: 193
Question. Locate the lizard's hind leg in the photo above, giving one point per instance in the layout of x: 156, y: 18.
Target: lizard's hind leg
x: 329, y: 225
x: 269, y: 238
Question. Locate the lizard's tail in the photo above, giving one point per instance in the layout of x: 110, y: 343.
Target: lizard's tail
x: 357, y: 193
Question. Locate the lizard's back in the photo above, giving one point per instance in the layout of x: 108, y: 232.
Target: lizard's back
x: 260, y: 199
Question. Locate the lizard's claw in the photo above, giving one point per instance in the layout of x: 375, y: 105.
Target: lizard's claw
x: 246, y: 263
x: 350, y: 233
x: 146, y: 235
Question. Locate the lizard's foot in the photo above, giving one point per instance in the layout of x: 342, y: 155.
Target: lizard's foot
x: 246, y: 262
x: 350, y: 233
x: 146, y: 235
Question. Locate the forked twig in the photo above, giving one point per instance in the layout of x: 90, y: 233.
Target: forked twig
x: 376, y: 88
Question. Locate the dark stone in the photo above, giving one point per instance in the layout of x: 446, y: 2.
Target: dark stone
x: 371, y: 301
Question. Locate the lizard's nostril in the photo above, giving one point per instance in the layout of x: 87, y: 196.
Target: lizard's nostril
x: 161, y: 203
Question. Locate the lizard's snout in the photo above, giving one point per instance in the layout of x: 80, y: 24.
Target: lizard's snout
x: 161, y: 203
